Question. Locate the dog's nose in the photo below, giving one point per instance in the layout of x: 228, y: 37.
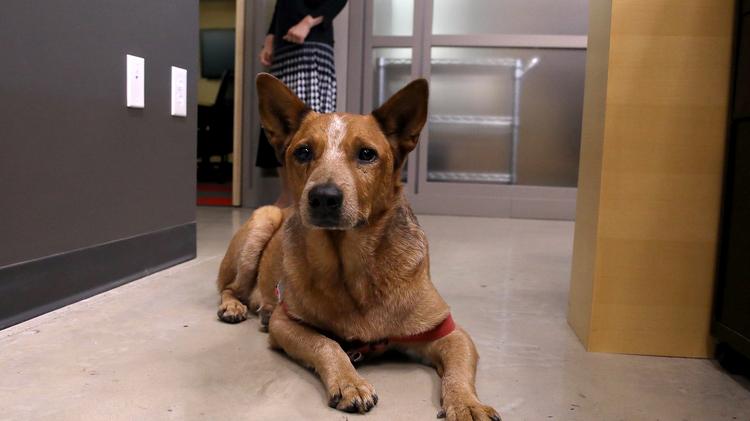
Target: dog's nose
x: 325, y: 198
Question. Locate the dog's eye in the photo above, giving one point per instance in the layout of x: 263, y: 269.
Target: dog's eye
x: 303, y: 153
x: 367, y: 155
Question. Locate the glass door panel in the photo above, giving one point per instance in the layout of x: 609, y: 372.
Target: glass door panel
x: 506, y: 94
x: 505, y: 115
x: 392, y: 70
x: 393, y: 17
x: 524, y: 17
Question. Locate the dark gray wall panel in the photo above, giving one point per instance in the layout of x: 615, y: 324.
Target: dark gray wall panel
x: 77, y: 168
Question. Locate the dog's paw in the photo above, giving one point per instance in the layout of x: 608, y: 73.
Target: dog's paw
x: 469, y: 411
x: 352, y: 394
x: 232, y: 312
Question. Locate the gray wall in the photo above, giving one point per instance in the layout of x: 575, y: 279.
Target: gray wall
x: 78, y: 168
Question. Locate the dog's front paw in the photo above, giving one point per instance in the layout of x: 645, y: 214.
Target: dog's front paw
x: 232, y: 312
x: 352, y: 394
x: 471, y: 410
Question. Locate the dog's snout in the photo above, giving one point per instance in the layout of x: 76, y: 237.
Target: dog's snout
x: 324, y: 202
x: 326, y: 197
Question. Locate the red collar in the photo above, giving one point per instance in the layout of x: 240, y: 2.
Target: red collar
x: 443, y: 329
x: 358, y: 350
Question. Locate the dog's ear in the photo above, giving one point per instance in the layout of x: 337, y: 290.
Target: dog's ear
x: 281, y: 112
x: 402, y: 117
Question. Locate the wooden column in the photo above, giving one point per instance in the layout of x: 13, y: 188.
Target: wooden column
x: 239, y: 103
x: 652, y: 152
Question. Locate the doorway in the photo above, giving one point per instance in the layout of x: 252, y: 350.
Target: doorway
x: 218, y: 149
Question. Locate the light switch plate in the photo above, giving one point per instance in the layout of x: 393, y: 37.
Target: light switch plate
x: 179, y: 92
x: 136, y: 79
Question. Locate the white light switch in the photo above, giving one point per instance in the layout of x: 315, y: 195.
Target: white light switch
x: 179, y: 92
x: 136, y: 76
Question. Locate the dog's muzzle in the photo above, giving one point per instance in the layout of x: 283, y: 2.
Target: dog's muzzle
x: 324, y: 202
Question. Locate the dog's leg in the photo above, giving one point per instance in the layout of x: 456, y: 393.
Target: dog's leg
x: 455, y: 358
x: 239, y: 268
x: 233, y: 290
x: 347, y: 391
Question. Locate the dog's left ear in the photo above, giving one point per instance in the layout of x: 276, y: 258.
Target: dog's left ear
x: 402, y: 117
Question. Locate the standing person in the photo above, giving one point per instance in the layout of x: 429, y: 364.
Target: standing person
x: 299, y: 50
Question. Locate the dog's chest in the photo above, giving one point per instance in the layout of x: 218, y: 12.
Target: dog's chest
x: 353, y: 286
x: 353, y: 308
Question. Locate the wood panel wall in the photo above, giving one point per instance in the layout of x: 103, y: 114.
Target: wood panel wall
x: 650, y: 182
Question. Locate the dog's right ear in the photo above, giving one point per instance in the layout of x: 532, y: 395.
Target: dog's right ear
x: 402, y: 117
x: 281, y: 112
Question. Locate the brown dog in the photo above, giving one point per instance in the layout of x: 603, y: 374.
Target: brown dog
x: 348, y: 261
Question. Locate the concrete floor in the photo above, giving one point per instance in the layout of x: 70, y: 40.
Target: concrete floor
x: 154, y: 350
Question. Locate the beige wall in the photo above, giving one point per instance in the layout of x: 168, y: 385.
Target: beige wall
x: 651, y: 174
x: 214, y: 14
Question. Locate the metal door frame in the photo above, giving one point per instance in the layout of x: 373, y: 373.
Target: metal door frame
x: 370, y: 42
x: 472, y: 199
x: 256, y: 189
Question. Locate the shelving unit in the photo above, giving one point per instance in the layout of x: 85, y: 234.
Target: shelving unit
x: 513, y: 121
x: 480, y: 120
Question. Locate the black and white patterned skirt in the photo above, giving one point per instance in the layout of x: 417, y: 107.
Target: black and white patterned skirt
x: 310, y: 72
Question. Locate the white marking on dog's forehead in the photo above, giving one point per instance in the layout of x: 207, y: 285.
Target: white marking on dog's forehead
x: 335, y: 132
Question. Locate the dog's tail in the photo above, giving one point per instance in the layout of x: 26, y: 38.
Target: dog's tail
x: 238, y: 273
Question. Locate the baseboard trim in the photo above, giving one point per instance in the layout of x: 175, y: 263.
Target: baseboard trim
x: 35, y: 287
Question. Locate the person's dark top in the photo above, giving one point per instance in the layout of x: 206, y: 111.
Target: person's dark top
x: 288, y: 13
